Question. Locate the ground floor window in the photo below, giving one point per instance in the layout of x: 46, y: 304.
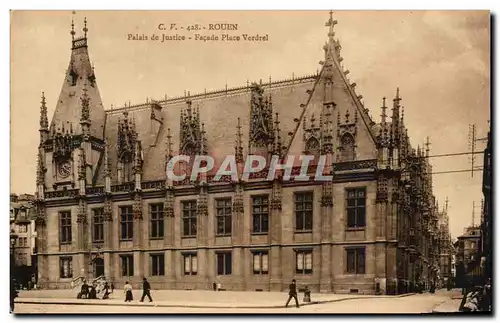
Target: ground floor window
x: 190, y: 264
x: 157, y: 265
x: 355, y: 260
x: 224, y: 263
x: 66, y: 267
x: 260, y: 262
x: 304, y: 264
x: 127, y: 265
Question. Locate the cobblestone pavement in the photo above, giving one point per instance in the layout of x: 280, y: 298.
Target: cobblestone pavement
x: 200, y: 298
x: 420, y: 303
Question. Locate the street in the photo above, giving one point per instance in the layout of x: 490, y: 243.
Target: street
x: 419, y: 303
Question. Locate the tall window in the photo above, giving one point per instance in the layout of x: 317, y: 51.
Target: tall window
x: 65, y: 227
x: 356, y: 208
x: 98, y: 225
x: 223, y: 263
x: 303, y: 211
x: 157, y: 265
x: 223, y: 216
x: 66, y: 267
x: 127, y: 223
x: 355, y: 260
x: 127, y: 265
x: 304, y: 262
x: 347, y: 148
x: 260, y: 214
x: 156, y: 219
x: 190, y: 264
x: 189, y: 220
x: 260, y: 262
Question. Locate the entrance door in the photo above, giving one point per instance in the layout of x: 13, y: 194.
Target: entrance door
x: 99, y: 267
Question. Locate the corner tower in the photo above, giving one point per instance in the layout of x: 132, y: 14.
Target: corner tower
x: 75, y: 140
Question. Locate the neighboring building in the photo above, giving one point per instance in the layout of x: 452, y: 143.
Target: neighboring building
x: 106, y: 207
x: 467, y: 253
x: 486, y: 223
x: 22, y: 224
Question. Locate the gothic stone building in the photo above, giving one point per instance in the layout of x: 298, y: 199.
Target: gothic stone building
x: 106, y: 207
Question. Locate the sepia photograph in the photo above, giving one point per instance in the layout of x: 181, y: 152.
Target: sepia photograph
x: 253, y: 162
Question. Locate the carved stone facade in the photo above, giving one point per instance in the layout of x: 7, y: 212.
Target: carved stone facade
x: 355, y: 233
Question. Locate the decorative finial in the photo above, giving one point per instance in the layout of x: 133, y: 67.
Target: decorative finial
x: 427, y: 146
x: 239, y: 143
x: 330, y: 24
x: 72, y: 32
x: 44, y: 121
x: 85, y: 27
x: 397, y: 99
x: 384, y: 113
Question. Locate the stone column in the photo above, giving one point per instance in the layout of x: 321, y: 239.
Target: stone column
x: 275, y: 237
x: 237, y: 236
x: 325, y: 279
x: 326, y: 248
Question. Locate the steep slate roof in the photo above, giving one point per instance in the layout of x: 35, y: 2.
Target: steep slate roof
x: 295, y: 100
x: 68, y: 108
x: 220, y: 110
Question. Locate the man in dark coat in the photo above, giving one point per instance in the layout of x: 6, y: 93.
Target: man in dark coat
x: 146, y: 289
x: 292, y: 293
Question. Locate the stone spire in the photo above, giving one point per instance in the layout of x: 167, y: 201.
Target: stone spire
x: 79, y: 76
x: 44, y: 121
x: 168, y: 147
x: 395, y: 127
x: 277, y: 138
x: 238, y: 147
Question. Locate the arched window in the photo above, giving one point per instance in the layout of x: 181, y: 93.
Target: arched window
x: 312, y: 147
x: 347, y: 147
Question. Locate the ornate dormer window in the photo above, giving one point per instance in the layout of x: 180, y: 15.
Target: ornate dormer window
x: 347, y: 148
x: 192, y: 136
x: 261, y: 123
x: 346, y: 138
x: 312, y: 135
x: 313, y: 147
x: 127, y: 139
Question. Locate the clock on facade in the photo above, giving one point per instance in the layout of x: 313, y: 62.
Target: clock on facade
x: 64, y: 169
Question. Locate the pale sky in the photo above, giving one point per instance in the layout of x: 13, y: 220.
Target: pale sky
x: 440, y: 61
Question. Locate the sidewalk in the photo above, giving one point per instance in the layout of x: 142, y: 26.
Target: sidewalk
x: 449, y: 306
x: 190, y: 299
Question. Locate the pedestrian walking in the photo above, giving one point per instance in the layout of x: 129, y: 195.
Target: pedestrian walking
x: 292, y: 294
x: 112, y: 287
x: 128, y: 292
x: 146, y: 289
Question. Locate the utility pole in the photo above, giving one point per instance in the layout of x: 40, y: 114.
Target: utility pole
x: 472, y: 147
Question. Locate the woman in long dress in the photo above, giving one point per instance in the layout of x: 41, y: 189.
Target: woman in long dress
x: 128, y: 292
